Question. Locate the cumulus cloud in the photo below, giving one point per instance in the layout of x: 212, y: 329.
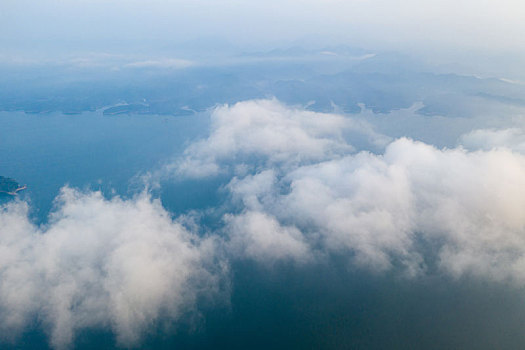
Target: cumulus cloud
x: 123, y: 264
x: 272, y: 134
x: 487, y: 139
x: 312, y: 192
x: 261, y: 237
x: 380, y: 206
x: 297, y: 191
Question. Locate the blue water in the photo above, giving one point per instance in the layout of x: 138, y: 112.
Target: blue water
x: 88, y: 151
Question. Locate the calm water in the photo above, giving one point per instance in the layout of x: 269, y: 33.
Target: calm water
x: 322, y: 306
x: 90, y: 150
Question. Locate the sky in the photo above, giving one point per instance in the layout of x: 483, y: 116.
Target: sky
x: 412, y: 25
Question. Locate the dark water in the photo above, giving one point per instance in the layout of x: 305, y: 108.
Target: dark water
x: 332, y: 307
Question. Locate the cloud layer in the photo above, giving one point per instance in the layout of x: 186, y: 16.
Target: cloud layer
x: 311, y: 193
x: 123, y: 264
x: 296, y: 191
x: 379, y: 207
x: 268, y: 134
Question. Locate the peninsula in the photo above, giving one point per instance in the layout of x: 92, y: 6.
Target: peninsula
x: 9, y: 186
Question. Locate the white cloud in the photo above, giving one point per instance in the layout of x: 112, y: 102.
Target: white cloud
x: 258, y: 236
x: 119, y: 263
x: 271, y: 133
x: 173, y: 63
x: 298, y: 192
x: 376, y: 208
x: 487, y: 139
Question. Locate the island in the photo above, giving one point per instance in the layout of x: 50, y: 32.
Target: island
x: 9, y: 187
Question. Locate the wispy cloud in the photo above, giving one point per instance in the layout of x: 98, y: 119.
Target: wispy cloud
x: 172, y: 63
x: 487, y: 139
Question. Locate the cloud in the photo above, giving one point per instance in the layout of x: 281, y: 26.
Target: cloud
x: 487, y: 139
x: 123, y: 264
x: 297, y: 190
x: 173, y: 63
x: 313, y: 194
x: 272, y: 134
x: 258, y: 236
x: 469, y: 204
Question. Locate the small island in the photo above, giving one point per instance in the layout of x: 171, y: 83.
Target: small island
x: 9, y: 187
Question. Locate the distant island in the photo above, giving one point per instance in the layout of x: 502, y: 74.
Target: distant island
x: 9, y: 187
x: 141, y: 108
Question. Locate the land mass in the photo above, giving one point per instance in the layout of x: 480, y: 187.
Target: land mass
x: 9, y: 186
